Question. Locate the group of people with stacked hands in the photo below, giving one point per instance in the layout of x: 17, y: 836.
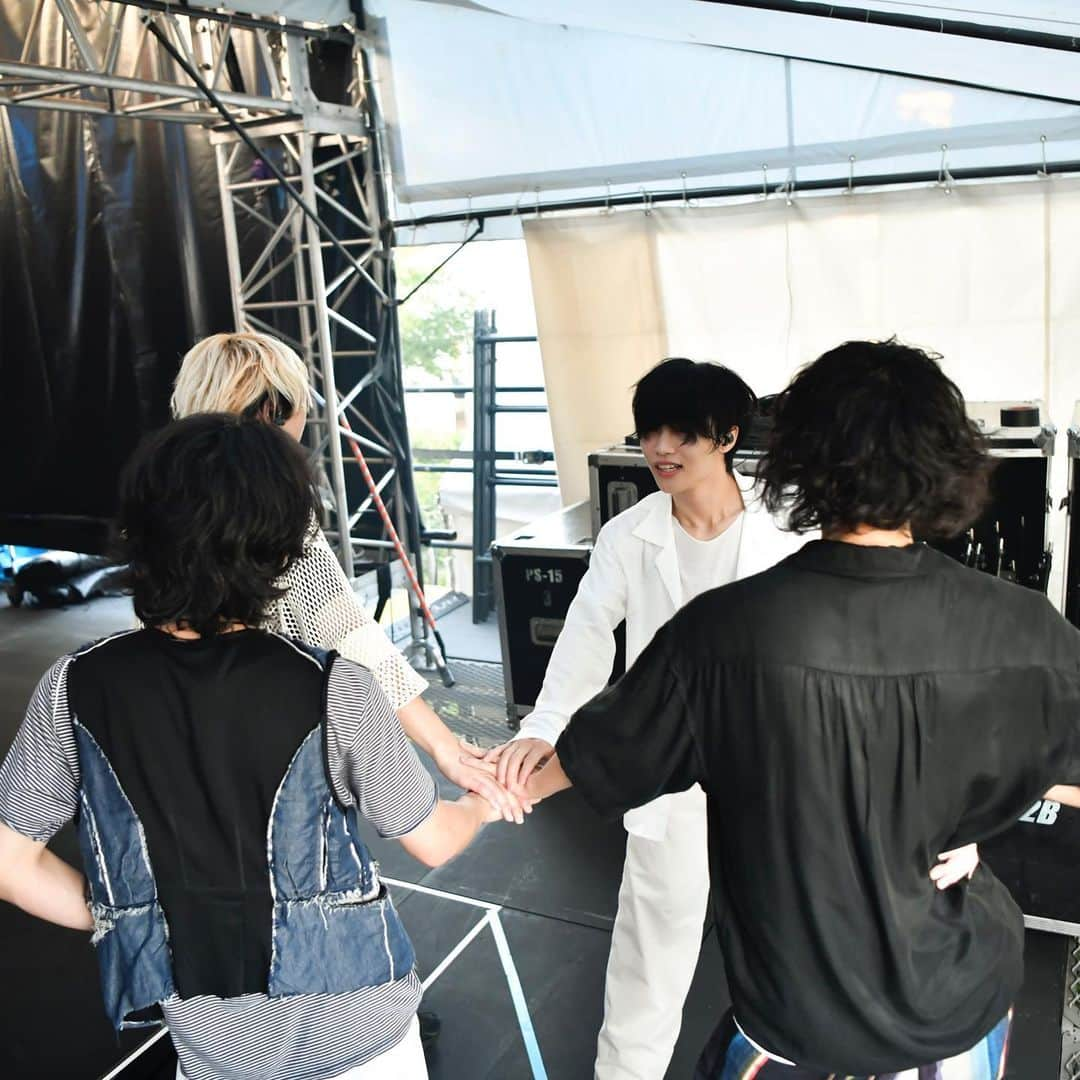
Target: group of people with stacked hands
x: 822, y: 716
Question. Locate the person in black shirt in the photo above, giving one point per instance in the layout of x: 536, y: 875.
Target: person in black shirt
x: 862, y: 705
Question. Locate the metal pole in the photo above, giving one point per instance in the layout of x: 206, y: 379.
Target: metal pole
x: 326, y: 356
x: 240, y: 21
x: 306, y: 332
x: 1011, y: 35
x: 483, y: 446
x: 372, y: 196
x: 732, y: 191
x: 306, y: 203
x: 39, y: 74
x: 225, y: 156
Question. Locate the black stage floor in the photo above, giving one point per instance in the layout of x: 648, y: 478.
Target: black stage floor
x: 511, y: 938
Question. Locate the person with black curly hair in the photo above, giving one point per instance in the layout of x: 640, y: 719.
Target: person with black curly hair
x: 858, y: 707
x: 704, y: 527
x: 217, y: 773
x: 872, y: 437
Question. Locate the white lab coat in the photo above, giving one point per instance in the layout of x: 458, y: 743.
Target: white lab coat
x: 634, y: 575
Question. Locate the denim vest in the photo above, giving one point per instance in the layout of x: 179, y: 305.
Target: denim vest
x: 334, y: 929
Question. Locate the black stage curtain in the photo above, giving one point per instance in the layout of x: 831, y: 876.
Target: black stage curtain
x: 111, y: 264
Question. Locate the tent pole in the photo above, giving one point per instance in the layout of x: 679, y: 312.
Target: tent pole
x: 845, y: 183
x: 1010, y: 35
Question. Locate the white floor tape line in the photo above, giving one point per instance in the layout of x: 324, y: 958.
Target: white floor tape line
x: 136, y: 1053
x: 456, y: 951
x: 517, y: 994
x: 506, y: 959
x: 442, y: 895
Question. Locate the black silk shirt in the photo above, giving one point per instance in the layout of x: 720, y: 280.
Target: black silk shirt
x: 850, y: 713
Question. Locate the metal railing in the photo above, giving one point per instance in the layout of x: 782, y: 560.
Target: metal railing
x: 490, y: 467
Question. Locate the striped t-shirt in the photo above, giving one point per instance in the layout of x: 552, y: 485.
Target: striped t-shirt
x: 373, y: 766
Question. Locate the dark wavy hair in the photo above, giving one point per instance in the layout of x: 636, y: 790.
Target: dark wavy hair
x: 874, y: 433
x: 212, y: 510
x: 700, y: 400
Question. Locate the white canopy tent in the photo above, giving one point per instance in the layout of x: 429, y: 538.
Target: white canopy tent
x: 503, y: 104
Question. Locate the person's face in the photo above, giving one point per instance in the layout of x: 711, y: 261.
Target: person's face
x: 681, y: 463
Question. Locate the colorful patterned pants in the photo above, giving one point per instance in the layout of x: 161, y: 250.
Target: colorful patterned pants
x: 729, y: 1055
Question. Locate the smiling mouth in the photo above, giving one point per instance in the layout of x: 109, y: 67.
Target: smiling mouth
x: 667, y: 468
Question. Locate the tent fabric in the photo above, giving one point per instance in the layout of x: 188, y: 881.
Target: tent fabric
x: 111, y: 263
x: 507, y: 103
x: 600, y: 321
x: 875, y: 47
x: 985, y: 276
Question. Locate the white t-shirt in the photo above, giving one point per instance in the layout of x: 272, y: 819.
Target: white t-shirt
x: 706, y: 564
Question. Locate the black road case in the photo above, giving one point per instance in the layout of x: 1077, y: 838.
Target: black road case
x: 1038, y: 857
x: 537, y: 573
x: 1011, y: 539
x: 618, y: 477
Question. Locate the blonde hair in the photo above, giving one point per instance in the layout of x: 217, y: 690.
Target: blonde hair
x: 234, y: 373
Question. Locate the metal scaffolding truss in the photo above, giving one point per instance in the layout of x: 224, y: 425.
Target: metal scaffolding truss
x: 110, y: 64
x: 278, y: 260
x: 303, y: 216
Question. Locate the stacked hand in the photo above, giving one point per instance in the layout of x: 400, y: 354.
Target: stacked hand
x: 467, y: 766
x: 516, y: 761
x: 485, y: 811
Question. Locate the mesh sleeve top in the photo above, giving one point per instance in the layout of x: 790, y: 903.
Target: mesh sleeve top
x: 321, y: 609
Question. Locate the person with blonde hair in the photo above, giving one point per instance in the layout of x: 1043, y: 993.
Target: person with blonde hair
x: 259, y: 377
x: 252, y: 375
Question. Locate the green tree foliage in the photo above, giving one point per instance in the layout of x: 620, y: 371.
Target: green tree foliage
x: 436, y: 324
x: 436, y: 327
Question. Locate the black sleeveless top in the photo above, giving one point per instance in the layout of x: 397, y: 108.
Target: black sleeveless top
x: 200, y: 735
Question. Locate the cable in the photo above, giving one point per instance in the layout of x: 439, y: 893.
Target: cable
x: 441, y: 661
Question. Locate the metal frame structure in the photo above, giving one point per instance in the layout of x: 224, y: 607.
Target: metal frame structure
x: 487, y: 475
x: 310, y: 265
x: 279, y: 286
x: 100, y: 78
x: 491, y: 468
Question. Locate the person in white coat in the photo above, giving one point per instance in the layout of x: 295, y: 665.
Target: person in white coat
x: 702, y: 529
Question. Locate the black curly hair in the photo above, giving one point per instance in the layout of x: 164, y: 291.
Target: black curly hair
x: 697, y: 399
x: 874, y: 433
x: 212, y: 510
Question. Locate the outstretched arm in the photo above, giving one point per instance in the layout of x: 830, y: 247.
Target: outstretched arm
x: 549, y: 780
x: 634, y: 741
x: 579, y: 666
x: 449, y: 830
x: 320, y: 608
x: 459, y: 762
